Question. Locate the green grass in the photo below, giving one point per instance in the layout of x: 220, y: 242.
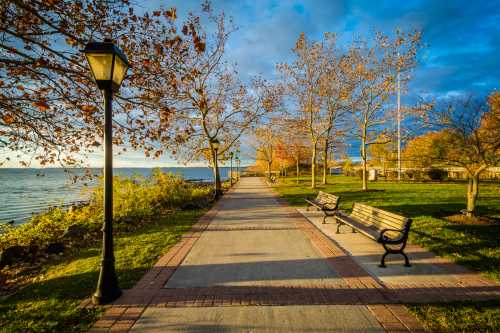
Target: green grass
x: 50, y: 303
x: 474, y: 246
x: 460, y: 317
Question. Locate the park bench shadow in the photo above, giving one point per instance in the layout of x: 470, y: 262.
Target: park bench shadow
x: 290, y: 272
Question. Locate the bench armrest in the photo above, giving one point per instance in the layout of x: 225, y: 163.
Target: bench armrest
x: 314, y: 203
x: 341, y: 213
x: 387, y: 240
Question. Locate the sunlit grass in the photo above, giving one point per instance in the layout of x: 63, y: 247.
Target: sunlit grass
x: 461, y: 317
x: 50, y: 303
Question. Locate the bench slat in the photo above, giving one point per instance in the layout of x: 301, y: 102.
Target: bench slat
x: 329, y: 201
x: 369, y: 232
x: 378, y: 221
x: 379, y: 211
x: 379, y: 216
x: 315, y: 203
x: 380, y: 227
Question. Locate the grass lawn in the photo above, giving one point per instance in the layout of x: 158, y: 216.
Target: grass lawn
x: 474, y: 246
x: 50, y: 303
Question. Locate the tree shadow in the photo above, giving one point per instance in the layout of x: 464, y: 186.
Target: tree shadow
x: 68, y: 288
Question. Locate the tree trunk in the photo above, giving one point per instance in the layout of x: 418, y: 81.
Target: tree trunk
x: 325, y: 161
x: 269, y: 164
x: 217, y: 181
x: 472, y: 193
x: 297, y: 168
x: 313, y: 166
x: 363, y: 157
x: 384, y: 166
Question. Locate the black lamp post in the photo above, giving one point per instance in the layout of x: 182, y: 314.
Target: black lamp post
x: 231, y: 154
x: 238, y: 164
x: 237, y: 169
x: 215, y: 145
x: 109, y: 67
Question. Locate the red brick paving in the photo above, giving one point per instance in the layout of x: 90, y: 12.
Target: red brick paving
x: 357, y: 286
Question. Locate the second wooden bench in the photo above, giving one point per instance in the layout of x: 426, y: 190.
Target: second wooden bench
x: 326, y: 202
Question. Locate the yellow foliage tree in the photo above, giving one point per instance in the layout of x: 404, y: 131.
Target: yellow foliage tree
x: 469, y: 137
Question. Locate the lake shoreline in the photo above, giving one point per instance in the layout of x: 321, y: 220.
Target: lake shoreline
x: 30, y: 191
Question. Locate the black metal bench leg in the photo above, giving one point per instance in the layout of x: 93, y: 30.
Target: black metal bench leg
x: 389, y: 251
x: 324, y: 219
x: 338, y: 226
x: 382, y: 261
x: 407, y: 261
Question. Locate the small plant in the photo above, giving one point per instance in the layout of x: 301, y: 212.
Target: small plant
x: 137, y: 201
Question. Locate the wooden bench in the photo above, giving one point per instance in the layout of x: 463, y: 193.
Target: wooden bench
x: 389, y: 229
x: 326, y: 202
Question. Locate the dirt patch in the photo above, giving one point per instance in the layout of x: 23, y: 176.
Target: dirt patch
x: 479, y: 220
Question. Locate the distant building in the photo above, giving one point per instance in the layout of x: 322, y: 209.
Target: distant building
x: 336, y: 171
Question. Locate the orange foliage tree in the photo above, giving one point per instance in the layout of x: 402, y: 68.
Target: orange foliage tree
x: 265, y: 141
x: 294, y: 144
x: 50, y: 109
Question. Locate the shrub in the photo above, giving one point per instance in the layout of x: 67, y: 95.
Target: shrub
x: 391, y: 175
x: 413, y: 174
x: 136, y: 200
x: 437, y: 174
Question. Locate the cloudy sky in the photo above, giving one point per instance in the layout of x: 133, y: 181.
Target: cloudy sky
x: 462, y: 39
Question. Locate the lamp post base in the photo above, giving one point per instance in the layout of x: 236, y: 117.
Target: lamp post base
x: 217, y: 194
x: 107, y: 289
x: 100, y: 298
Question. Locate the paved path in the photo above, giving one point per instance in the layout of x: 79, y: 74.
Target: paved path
x: 254, y: 264
x: 252, y: 242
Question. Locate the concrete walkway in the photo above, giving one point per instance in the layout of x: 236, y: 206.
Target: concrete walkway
x: 254, y: 264
x: 252, y: 242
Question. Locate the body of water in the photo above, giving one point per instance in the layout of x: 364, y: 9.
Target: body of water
x: 24, y: 192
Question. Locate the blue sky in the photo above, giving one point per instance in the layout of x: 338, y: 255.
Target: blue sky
x: 462, y: 37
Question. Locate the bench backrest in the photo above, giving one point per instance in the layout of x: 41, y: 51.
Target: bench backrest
x: 380, y: 219
x: 328, y: 200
